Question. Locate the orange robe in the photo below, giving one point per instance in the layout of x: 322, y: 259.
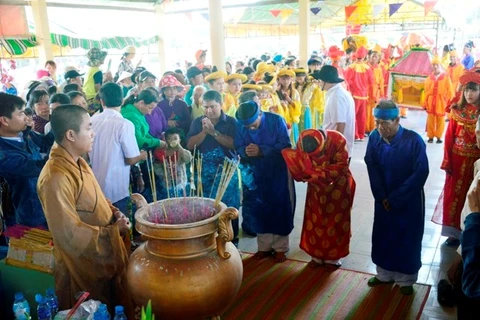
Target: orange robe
x: 460, y: 154
x: 359, y: 77
x: 378, y: 92
x: 438, y: 92
x: 331, y: 189
x: 455, y: 73
x: 90, y: 254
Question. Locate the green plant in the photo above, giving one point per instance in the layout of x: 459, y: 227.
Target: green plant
x: 147, y: 314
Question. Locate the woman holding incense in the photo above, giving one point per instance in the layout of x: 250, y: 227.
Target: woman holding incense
x: 135, y: 109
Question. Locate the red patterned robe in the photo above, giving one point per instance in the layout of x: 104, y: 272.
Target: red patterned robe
x: 331, y: 188
x: 460, y: 154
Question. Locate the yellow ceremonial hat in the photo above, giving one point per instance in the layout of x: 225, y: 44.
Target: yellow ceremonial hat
x: 453, y: 53
x: 286, y: 72
x: 377, y: 48
x: 266, y: 87
x: 436, y: 60
x: 240, y: 76
x: 216, y: 75
x: 251, y: 86
x: 300, y: 70
x: 264, y: 67
x: 274, y: 79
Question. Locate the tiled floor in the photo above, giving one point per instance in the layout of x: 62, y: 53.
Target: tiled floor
x: 435, y: 256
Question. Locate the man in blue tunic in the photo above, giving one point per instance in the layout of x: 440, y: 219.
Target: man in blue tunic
x: 398, y: 168
x: 270, y: 204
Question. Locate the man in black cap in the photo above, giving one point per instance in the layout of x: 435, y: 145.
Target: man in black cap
x: 195, y: 78
x: 269, y: 202
x: 314, y: 64
x: 72, y: 76
x: 339, y: 105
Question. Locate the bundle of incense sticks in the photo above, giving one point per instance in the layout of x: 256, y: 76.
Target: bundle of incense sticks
x: 151, y: 175
x: 229, y: 169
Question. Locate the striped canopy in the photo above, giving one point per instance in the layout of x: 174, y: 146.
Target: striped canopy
x: 18, y: 46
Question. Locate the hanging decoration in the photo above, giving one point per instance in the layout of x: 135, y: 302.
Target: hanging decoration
x: 315, y: 10
x: 205, y: 16
x: 393, y: 7
x: 428, y: 6
x: 349, y: 10
x: 285, y: 13
x: 275, y: 12
x: 377, y: 9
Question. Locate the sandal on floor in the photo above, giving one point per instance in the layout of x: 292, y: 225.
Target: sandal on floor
x: 279, y: 257
x: 373, y: 281
x: 452, y: 242
x: 406, y: 290
x: 445, y: 295
x: 314, y: 264
x: 262, y: 254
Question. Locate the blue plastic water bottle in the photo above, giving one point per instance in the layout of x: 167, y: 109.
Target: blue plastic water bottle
x: 43, y: 310
x: 102, y: 313
x: 119, y: 313
x: 52, y: 301
x: 21, y: 308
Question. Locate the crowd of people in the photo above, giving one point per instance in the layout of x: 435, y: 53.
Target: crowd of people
x: 72, y: 154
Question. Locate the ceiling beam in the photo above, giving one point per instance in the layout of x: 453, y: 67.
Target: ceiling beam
x: 79, y: 6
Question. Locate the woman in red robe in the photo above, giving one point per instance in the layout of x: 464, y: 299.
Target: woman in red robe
x: 321, y: 159
x: 460, y: 153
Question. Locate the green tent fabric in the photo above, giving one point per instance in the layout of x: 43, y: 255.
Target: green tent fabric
x: 105, y: 43
x: 18, y: 46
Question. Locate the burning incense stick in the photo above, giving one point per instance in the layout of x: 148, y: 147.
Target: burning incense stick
x: 192, y: 173
x: 166, y: 176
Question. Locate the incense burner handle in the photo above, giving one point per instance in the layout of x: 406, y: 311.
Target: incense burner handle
x: 139, y: 201
x: 225, y: 231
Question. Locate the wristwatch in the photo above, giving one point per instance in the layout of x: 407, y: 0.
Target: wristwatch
x: 216, y: 133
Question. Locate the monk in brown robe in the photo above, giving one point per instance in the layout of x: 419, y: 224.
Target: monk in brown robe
x: 88, y: 232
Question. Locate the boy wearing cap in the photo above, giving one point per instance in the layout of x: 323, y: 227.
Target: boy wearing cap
x: 438, y: 92
x: 397, y: 166
x: 195, y: 78
x: 72, y: 76
x: 270, y: 206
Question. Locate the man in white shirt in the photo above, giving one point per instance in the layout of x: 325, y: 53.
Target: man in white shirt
x: 114, y: 148
x: 339, y: 105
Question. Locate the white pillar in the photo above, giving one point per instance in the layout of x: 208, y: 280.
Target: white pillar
x: 42, y: 30
x: 217, y: 37
x: 304, y: 28
x: 160, y: 22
